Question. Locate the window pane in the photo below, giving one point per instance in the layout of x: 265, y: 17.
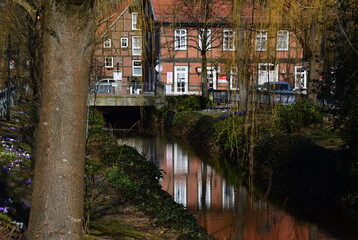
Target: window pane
x: 282, y: 40
x: 136, y: 45
x: 135, y: 21
x: 261, y: 40
x: 137, y: 68
x: 108, y: 62
x: 228, y: 40
x: 124, y: 42
x: 180, y: 39
x: 137, y: 71
x: 107, y: 43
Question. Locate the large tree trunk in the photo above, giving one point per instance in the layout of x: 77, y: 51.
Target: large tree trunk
x: 57, y: 200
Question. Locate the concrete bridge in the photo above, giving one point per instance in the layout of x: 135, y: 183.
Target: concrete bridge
x: 109, y: 100
x: 113, y: 94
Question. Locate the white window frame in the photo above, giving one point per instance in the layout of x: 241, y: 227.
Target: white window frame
x: 181, y: 70
x: 269, y: 74
x: 108, y: 62
x: 208, y: 39
x: 234, y: 74
x: 300, y: 78
x: 214, y: 72
x: 124, y: 42
x: 282, y: 40
x: 135, y: 21
x: 136, y: 45
x: 180, y: 39
x: 228, y: 40
x: 261, y: 40
x: 107, y: 43
x: 136, y: 67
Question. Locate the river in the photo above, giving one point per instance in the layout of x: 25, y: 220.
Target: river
x: 230, y: 212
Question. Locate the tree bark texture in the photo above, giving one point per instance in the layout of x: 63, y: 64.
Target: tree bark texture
x: 67, y: 45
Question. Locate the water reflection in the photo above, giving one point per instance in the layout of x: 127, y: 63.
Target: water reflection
x: 226, y: 213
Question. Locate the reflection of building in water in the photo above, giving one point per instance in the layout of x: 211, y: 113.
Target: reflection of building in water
x: 193, y: 183
x: 228, y: 196
x: 225, y: 213
x: 180, y: 168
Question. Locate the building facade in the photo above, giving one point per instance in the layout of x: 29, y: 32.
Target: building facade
x: 181, y: 45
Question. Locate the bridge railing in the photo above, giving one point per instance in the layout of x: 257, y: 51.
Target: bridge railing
x: 131, y: 88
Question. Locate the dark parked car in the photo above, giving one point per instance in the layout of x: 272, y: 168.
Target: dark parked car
x: 278, y: 92
x: 277, y: 87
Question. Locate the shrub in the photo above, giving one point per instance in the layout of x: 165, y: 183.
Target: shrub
x: 188, y: 103
x: 229, y: 135
x: 184, y: 121
x: 291, y: 118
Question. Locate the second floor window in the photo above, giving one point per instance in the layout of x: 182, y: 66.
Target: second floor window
x: 124, y: 42
x: 261, y: 40
x: 207, y: 46
x: 228, y: 40
x: 180, y: 39
x: 282, y: 40
x: 135, y: 21
x: 136, y: 45
x: 107, y: 43
x: 108, y: 62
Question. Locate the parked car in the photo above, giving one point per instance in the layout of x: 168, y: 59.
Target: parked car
x: 106, y: 86
x: 278, y: 92
x: 277, y: 87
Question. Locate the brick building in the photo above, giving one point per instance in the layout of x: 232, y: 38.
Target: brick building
x: 172, y: 42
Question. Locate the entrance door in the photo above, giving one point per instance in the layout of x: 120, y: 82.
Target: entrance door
x: 180, y: 80
x: 266, y: 73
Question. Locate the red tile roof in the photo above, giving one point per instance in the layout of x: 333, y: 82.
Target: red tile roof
x: 179, y: 11
x: 110, y: 17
